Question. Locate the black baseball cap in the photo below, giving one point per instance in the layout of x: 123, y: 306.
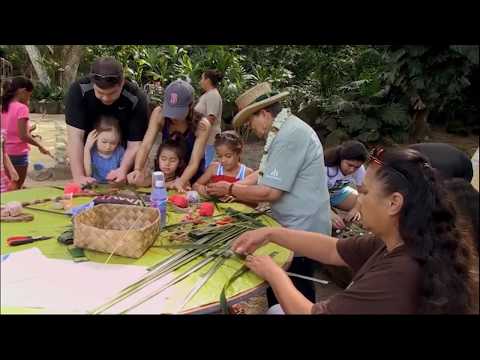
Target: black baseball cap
x: 106, y: 72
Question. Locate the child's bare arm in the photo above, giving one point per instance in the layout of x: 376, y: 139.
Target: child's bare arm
x: 87, y: 157
x: 248, y: 171
x: 87, y: 162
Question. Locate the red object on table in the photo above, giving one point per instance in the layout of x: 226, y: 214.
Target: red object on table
x: 206, y: 209
x: 179, y: 200
x: 224, y: 221
x: 72, y: 188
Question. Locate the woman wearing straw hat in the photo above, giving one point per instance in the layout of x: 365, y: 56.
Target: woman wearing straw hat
x: 292, y: 174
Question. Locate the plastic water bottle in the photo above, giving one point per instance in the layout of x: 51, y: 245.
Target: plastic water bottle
x: 159, y: 196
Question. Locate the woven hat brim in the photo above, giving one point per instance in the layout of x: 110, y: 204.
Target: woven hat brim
x: 244, y: 114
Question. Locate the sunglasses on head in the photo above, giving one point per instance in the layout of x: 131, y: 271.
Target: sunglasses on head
x: 376, y: 156
x: 112, y: 79
x: 226, y: 135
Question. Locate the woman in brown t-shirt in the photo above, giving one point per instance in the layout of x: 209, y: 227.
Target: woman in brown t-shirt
x: 416, y: 262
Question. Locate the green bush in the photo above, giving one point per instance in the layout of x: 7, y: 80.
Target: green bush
x: 343, y: 91
x: 47, y: 93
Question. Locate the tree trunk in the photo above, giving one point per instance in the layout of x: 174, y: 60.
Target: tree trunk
x: 420, y: 129
x: 35, y: 56
x: 71, y: 56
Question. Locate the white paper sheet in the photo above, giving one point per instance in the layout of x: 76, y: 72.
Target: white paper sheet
x: 29, y: 279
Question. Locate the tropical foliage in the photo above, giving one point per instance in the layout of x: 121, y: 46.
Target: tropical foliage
x: 372, y: 93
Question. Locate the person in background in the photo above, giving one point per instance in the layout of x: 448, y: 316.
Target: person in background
x: 103, y: 151
x: 15, y: 121
x: 229, y: 147
x: 416, y: 262
x: 345, y: 173
x: 210, y: 105
x: 104, y: 92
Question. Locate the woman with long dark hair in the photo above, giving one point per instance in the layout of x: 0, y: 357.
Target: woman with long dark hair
x: 417, y: 261
x: 466, y: 201
x: 177, y: 115
x: 15, y: 123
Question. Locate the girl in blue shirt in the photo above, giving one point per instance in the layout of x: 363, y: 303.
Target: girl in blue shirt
x: 103, y: 152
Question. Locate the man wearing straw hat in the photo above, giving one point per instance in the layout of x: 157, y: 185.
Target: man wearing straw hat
x: 292, y: 175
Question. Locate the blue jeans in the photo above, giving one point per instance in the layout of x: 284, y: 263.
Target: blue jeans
x: 19, y: 160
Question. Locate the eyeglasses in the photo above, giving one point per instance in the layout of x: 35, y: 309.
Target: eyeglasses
x: 112, y: 79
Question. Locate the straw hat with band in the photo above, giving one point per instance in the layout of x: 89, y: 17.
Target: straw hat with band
x: 254, y: 99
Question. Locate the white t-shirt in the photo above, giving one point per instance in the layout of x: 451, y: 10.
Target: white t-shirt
x: 336, y: 180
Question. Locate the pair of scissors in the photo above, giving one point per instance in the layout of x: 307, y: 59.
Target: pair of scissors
x: 21, y: 240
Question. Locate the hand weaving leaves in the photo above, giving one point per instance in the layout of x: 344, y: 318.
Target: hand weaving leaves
x: 235, y: 276
x: 217, y: 241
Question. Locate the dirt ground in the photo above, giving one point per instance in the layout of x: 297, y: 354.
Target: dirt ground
x: 49, y: 125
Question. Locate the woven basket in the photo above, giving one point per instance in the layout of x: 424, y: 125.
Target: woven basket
x: 126, y: 230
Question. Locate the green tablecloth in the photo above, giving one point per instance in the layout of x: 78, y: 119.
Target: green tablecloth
x: 54, y: 224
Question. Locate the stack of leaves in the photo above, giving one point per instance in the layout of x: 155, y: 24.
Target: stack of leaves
x: 208, y: 243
